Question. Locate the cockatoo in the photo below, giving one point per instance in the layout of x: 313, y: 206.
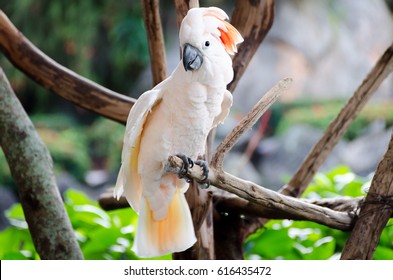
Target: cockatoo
x: 175, y: 117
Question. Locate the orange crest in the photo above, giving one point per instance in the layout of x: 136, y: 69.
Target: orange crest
x: 229, y: 35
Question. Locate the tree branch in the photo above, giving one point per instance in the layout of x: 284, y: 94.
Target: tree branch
x: 225, y: 202
x: 32, y: 169
x: 339, y: 126
x: 240, y: 206
x: 265, y: 197
x: 58, y: 79
x: 374, y: 213
x: 155, y: 39
x: 248, y: 121
x: 253, y: 19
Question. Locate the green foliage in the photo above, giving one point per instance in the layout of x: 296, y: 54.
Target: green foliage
x: 101, y: 235
x: 106, y: 142
x: 66, y: 141
x: 294, y: 240
x: 102, y: 40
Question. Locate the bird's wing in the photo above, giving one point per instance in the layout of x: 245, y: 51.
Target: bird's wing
x: 226, y: 105
x: 128, y: 180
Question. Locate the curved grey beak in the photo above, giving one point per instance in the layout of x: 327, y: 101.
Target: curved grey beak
x: 192, y: 58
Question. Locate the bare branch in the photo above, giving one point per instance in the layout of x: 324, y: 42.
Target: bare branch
x: 32, y: 169
x: 58, y: 79
x: 265, y: 197
x: 240, y: 206
x: 155, y: 39
x: 339, y: 126
x: 375, y: 212
x: 226, y: 202
x: 248, y: 121
x: 253, y: 19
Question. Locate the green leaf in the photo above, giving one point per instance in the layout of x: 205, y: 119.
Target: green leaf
x: 73, y: 197
x: 383, y: 253
x: 322, y: 249
x: 271, y: 244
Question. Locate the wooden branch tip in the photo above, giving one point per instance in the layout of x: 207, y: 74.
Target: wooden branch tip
x: 248, y: 121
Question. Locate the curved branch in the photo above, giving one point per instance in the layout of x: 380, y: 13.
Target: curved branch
x: 32, y: 169
x: 155, y: 39
x: 58, y: 79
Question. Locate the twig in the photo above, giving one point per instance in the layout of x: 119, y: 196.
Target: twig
x: 248, y: 121
x: 375, y: 212
x: 60, y: 80
x: 155, y: 39
x: 339, y: 126
x: 32, y: 169
x: 265, y: 197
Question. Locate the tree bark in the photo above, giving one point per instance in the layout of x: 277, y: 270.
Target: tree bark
x: 155, y: 39
x: 58, y: 79
x: 32, y: 169
x: 374, y: 213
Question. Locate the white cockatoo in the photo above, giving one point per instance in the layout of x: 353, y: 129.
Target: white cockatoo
x: 175, y: 117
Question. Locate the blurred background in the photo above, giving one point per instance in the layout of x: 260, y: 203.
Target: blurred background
x: 326, y: 46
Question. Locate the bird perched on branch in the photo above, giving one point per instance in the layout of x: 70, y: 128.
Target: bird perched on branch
x: 175, y: 118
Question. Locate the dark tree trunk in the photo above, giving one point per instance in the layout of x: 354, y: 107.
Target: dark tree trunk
x: 32, y: 169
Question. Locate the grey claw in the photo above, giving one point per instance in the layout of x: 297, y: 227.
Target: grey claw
x: 205, y: 170
x: 187, y: 164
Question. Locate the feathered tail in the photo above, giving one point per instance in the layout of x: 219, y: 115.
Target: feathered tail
x: 174, y: 233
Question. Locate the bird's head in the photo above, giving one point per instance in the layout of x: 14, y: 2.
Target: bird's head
x: 207, y: 40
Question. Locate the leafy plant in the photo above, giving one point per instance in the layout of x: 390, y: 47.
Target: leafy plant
x: 101, y: 235
x: 294, y: 240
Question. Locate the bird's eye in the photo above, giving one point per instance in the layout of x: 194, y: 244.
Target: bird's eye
x: 207, y: 43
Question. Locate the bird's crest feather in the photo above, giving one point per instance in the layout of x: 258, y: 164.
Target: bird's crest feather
x: 229, y: 35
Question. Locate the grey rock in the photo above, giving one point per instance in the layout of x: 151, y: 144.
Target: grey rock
x: 281, y: 156
x: 327, y: 47
x: 363, y: 154
x: 237, y: 165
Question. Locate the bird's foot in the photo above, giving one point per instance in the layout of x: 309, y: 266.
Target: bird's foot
x: 187, y: 164
x: 205, y: 172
